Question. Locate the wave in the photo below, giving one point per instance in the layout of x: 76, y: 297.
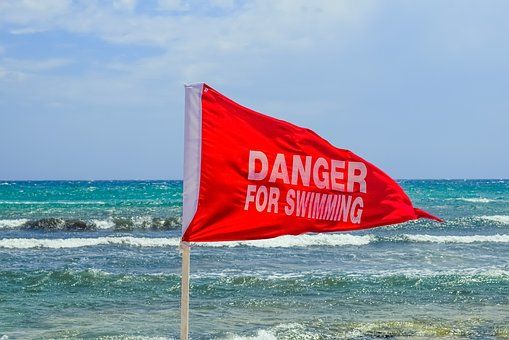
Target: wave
x: 29, y: 243
x: 501, y: 219
x: 485, y: 273
x: 279, y: 242
x: 116, y: 224
x: 175, y: 222
x: 53, y: 202
x: 306, y: 240
x: 497, y: 238
x: 125, y: 202
x: 310, y: 293
x: 436, y: 328
x: 338, y: 240
x: 475, y: 199
x: 12, y: 224
x: 324, y: 240
x: 262, y: 278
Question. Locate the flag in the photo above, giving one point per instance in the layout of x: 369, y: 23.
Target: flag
x: 251, y: 176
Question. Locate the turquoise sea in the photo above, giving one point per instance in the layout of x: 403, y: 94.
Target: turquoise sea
x: 99, y: 259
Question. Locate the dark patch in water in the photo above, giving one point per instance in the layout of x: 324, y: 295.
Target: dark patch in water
x: 58, y: 224
x: 119, y: 224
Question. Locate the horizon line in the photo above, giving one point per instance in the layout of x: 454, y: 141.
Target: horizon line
x: 181, y: 180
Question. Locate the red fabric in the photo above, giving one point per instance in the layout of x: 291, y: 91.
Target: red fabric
x: 230, y: 132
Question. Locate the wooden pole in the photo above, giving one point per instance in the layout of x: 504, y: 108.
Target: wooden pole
x: 184, y: 289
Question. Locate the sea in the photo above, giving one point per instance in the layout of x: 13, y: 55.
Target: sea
x: 100, y: 259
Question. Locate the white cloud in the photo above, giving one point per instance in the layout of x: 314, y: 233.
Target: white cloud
x: 21, y: 65
x: 172, y: 5
x: 12, y: 76
x: 32, y: 12
x: 274, y: 24
x: 324, y: 57
x: 196, y: 43
x: 224, y: 4
x: 128, y: 5
x: 224, y: 43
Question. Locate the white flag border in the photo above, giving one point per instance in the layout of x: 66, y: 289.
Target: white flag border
x: 192, y: 152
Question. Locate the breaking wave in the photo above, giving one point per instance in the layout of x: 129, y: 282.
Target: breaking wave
x: 476, y: 199
x: 275, y: 280
x: 27, y: 243
x: 497, y: 238
x: 329, y: 240
x: 116, y: 224
x: 375, y: 330
x: 288, y: 241
x: 13, y: 224
x: 175, y: 222
x: 501, y: 219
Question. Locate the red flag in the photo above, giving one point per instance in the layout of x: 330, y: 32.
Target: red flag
x: 250, y: 176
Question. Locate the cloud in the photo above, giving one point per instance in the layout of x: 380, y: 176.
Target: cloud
x: 171, y: 5
x: 219, y: 40
x: 128, y: 5
x: 222, y: 24
x: 38, y: 65
x: 328, y: 64
x: 23, y: 66
x: 11, y: 77
x: 32, y: 12
x: 19, y: 72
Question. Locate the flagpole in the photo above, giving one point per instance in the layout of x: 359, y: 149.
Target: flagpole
x: 184, y: 289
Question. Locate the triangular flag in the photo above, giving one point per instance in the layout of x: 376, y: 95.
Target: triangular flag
x: 250, y: 176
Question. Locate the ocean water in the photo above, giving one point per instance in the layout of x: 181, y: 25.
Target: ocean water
x: 100, y: 260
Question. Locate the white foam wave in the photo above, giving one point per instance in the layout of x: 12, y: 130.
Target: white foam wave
x: 490, y: 272
x: 14, y: 223
x: 503, y: 219
x: 141, y: 220
x: 260, y: 335
x: 497, y: 238
x: 28, y: 243
x: 136, y: 222
x: 278, y: 242
x: 104, y: 224
x: 325, y: 240
x: 334, y: 240
x: 476, y: 199
x: 290, y: 331
x: 290, y: 241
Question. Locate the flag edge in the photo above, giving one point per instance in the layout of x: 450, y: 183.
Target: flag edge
x: 192, y: 152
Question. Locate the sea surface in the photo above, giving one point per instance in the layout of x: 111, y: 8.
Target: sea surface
x: 100, y: 259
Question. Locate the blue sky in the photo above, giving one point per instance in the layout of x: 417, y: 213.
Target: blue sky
x: 94, y: 89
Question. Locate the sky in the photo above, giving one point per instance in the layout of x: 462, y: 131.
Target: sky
x: 94, y: 89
